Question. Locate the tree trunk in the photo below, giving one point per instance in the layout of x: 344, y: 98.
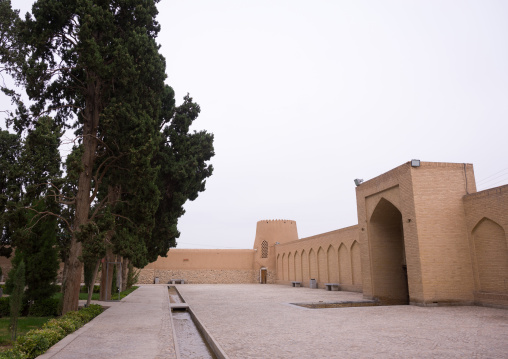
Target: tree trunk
x: 107, y: 269
x: 107, y: 275
x: 92, y: 284
x: 91, y: 113
x: 119, y: 276
x: 125, y: 273
x: 72, y: 282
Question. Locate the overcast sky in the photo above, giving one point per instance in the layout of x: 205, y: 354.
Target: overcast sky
x: 305, y: 96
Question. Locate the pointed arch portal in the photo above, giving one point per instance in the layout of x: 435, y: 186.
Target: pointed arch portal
x: 387, y: 251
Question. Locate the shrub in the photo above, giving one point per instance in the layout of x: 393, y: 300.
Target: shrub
x: 82, y: 316
x: 5, y: 307
x: 13, y: 354
x: 84, y: 289
x: 68, y: 325
x: 37, y: 341
x: 44, y: 308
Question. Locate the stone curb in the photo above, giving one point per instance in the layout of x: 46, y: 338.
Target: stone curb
x: 214, y: 345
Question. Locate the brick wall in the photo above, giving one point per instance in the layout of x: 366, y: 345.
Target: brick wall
x: 428, y: 203
x: 487, y: 229
x: 331, y: 257
x: 442, y: 236
x: 198, y: 276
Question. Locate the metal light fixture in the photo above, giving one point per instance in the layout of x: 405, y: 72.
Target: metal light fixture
x: 415, y: 163
x: 358, y: 181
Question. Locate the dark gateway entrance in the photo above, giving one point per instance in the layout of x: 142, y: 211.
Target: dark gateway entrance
x: 387, y: 251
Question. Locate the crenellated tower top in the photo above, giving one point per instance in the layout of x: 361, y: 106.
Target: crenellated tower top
x: 288, y: 221
x: 275, y: 231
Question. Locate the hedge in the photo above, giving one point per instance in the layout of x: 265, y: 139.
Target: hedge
x: 43, y: 308
x: 84, y: 289
x: 37, y: 341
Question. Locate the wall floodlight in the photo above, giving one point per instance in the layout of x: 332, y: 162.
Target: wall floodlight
x: 358, y: 181
x: 415, y: 163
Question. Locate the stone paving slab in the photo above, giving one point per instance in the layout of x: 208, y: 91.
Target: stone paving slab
x: 258, y: 321
x: 137, y: 327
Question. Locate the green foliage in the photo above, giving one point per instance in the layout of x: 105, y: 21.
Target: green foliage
x: 42, y: 308
x: 67, y: 324
x: 9, y: 22
x: 84, y: 315
x: 48, y: 307
x: 84, y: 289
x: 25, y: 324
x: 30, y: 229
x: 96, y: 66
x: 12, y: 354
x: 132, y: 276
x: 128, y: 291
x: 10, y: 186
x: 35, y: 240
x: 16, y: 298
x: 5, y: 307
x: 38, y: 341
x: 182, y: 158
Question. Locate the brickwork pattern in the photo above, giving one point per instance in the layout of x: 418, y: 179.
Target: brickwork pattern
x: 487, y: 229
x: 395, y: 187
x: 442, y: 235
x: 211, y: 276
x: 325, y: 257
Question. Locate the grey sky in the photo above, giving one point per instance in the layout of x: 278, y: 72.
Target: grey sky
x: 305, y: 96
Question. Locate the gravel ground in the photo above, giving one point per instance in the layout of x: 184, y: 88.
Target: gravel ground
x: 258, y: 321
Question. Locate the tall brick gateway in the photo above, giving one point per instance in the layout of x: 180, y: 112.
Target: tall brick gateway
x: 424, y: 237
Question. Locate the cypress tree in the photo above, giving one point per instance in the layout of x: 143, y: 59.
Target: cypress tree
x: 95, y: 66
x: 16, y: 298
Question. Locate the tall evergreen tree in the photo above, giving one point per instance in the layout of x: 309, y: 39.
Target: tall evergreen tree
x: 85, y: 58
x: 182, y: 158
x: 10, y: 186
x: 95, y: 66
x: 34, y: 218
x: 36, y: 240
x: 16, y: 298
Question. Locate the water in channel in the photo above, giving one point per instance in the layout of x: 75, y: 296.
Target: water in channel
x: 191, y: 343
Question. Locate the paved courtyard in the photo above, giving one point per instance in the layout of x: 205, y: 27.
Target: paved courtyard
x: 257, y: 321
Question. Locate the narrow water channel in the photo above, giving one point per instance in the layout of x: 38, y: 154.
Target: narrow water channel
x: 191, y: 343
x: 174, y: 297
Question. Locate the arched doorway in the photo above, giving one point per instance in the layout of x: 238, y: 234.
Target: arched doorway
x: 263, y: 273
x: 387, y: 251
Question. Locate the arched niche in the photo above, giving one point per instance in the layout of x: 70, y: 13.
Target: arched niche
x: 356, y: 265
x: 491, y: 253
x: 333, y: 265
x: 344, y: 265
